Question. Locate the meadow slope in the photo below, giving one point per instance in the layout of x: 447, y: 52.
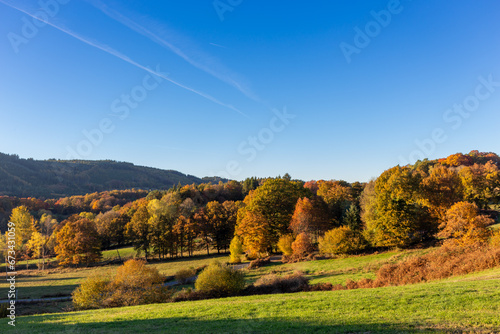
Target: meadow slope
x: 469, y: 303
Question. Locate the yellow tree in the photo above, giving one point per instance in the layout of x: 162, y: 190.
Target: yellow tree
x: 24, y: 225
x: 253, y: 229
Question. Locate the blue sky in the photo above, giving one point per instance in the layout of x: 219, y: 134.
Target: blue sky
x: 321, y: 90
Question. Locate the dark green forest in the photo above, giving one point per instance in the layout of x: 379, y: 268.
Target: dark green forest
x: 60, y: 178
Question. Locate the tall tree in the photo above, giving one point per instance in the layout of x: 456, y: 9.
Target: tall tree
x: 441, y: 189
x: 78, y: 242
x: 273, y: 203
x: 139, y: 231
x: 310, y: 217
x: 398, y: 217
x: 24, y: 225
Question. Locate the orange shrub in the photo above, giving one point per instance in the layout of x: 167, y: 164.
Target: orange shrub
x: 302, y: 245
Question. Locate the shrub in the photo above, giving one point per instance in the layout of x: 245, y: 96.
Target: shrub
x: 495, y: 239
x: 285, y: 244
x: 134, y: 284
x: 273, y: 283
x: 342, y: 240
x: 221, y: 280
x: 135, y: 274
x: 302, y: 245
x: 257, y: 263
x: 236, y: 249
x: 92, y: 293
x: 184, y: 275
x: 442, y: 263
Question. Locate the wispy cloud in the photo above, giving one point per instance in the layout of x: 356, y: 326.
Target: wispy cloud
x: 123, y: 57
x: 197, y: 58
x: 218, y: 45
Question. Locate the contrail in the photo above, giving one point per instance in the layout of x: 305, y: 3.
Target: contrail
x: 117, y: 54
x: 117, y: 16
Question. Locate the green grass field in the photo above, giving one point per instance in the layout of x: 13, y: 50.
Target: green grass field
x: 39, y: 284
x: 336, y: 271
x: 462, y: 304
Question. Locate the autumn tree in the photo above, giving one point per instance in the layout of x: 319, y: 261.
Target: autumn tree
x: 272, y: 204
x: 253, y: 229
x: 42, y: 241
x: 139, y: 231
x: 310, y: 216
x: 338, y: 196
x: 398, y: 217
x: 236, y: 249
x: 465, y: 226
x: 25, y: 226
x: 163, y: 215
x: 78, y: 242
x: 440, y: 190
x: 481, y: 184
x: 185, y: 226
x: 111, y: 228
x: 221, y: 228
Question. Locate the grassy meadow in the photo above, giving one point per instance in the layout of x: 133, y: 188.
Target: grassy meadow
x: 62, y: 281
x: 468, y: 303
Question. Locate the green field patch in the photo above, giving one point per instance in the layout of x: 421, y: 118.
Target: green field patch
x: 438, y: 307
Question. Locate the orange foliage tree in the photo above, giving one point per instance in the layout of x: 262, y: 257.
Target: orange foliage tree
x: 302, y: 245
x: 310, y: 217
x: 78, y: 242
x: 465, y: 226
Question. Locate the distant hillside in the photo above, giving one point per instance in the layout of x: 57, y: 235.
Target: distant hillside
x: 59, y: 178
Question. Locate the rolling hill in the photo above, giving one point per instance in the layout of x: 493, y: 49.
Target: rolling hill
x: 58, y: 178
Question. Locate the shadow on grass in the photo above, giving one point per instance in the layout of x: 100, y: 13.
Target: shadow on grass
x: 35, y: 292
x: 34, y: 325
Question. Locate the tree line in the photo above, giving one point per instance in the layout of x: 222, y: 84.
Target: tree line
x: 450, y: 198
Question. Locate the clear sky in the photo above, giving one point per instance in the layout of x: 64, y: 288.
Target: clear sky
x: 318, y: 89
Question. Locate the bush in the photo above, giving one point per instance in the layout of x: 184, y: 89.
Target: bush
x: 236, y: 249
x: 220, y: 280
x: 302, y: 245
x: 257, y: 263
x: 442, y: 263
x: 285, y: 244
x: 134, y: 284
x: 273, y: 283
x: 92, y: 293
x: 184, y: 275
x: 495, y: 239
x: 342, y: 240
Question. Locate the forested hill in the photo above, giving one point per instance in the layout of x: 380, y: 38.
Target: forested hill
x: 60, y: 178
